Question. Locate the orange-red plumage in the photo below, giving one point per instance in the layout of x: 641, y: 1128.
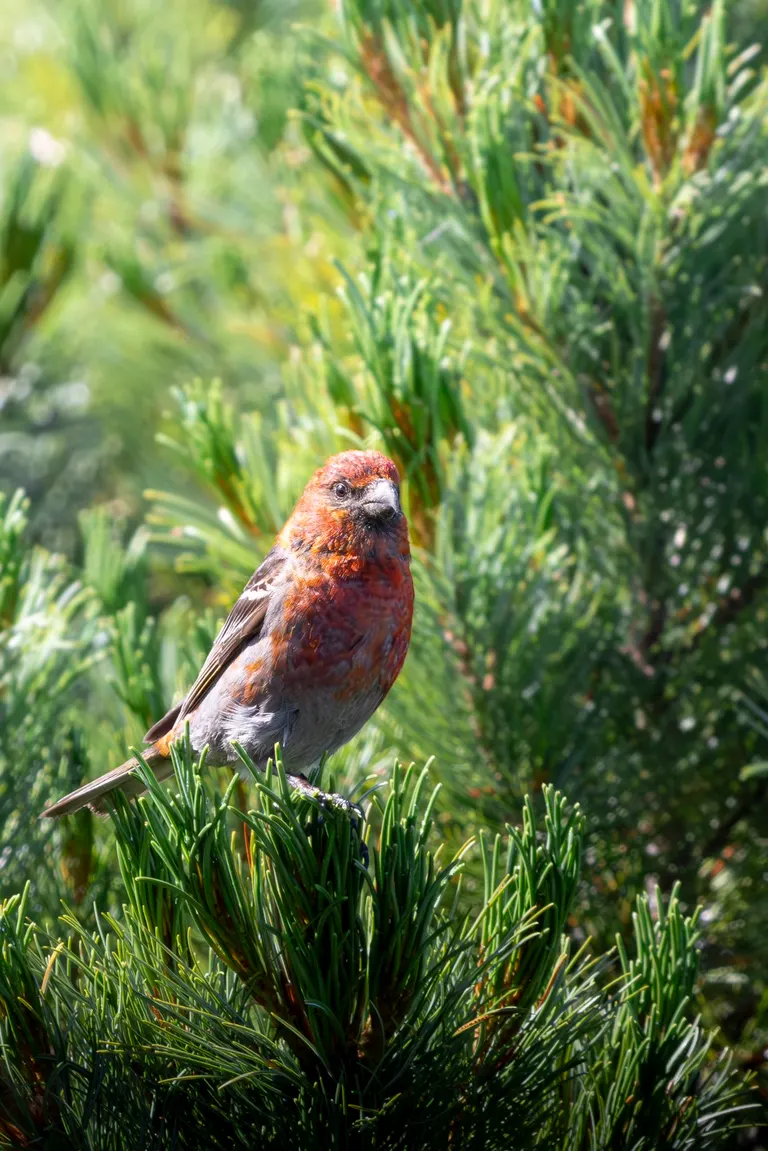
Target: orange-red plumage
x: 315, y: 641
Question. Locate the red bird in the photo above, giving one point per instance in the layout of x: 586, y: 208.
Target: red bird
x: 313, y: 644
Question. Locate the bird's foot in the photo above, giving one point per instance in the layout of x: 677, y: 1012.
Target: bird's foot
x: 325, y: 798
x: 332, y: 799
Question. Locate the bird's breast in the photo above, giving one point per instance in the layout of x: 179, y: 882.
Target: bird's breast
x: 346, y: 629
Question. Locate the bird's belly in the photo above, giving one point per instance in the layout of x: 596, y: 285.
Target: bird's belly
x: 323, y: 726
x: 305, y: 730
x: 309, y: 686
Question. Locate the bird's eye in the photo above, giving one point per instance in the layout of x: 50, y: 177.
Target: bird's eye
x: 341, y: 490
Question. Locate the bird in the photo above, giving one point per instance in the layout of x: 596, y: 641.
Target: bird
x: 312, y: 645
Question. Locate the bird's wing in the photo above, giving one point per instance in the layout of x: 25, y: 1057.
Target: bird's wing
x: 244, y: 622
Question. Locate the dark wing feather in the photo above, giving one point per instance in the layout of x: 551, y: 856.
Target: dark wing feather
x: 164, y: 725
x: 243, y: 623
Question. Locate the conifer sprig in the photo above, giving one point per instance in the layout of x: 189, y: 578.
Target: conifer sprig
x: 296, y: 986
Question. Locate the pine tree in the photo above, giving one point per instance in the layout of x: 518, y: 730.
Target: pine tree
x: 562, y: 337
x: 549, y: 308
x: 273, y: 980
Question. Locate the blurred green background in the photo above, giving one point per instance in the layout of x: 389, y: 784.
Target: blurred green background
x: 530, y: 262
x: 162, y: 221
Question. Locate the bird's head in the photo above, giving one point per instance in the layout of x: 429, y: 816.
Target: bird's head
x: 351, y: 503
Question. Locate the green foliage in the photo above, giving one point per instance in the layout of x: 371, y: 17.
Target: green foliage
x: 151, y: 185
x: 47, y: 622
x: 414, y: 401
x: 34, y: 259
x: 523, y: 250
x: 581, y: 188
x: 279, y: 985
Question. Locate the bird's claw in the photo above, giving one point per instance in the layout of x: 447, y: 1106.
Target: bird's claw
x: 327, y: 799
x: 331, y: 799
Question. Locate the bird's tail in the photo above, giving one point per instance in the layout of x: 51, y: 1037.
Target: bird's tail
x: 122, y: 778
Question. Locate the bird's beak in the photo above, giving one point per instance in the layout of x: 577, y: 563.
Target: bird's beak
x: 381, y: 500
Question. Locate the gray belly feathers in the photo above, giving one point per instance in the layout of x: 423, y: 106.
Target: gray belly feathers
x: 322, y: 724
